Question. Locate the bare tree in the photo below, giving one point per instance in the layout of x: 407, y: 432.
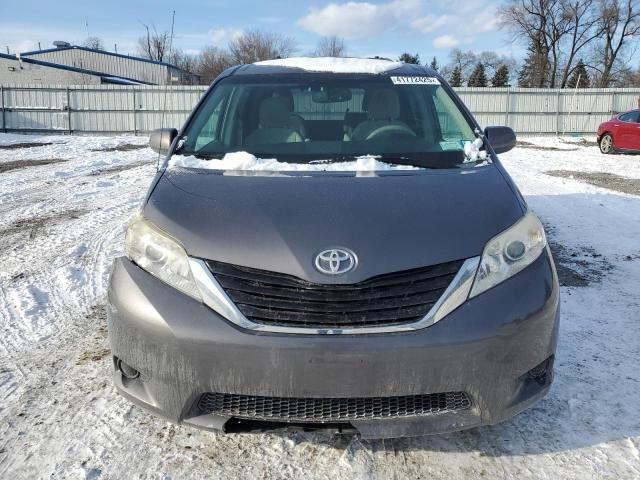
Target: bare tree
x: 630, y: 78
x: 462, y: 64
x: 558, y: 32
x: 93, y: 42
x: 620, y: 24
x: 527, y: 20
x: 584, y: 28
x: 258, y: 45
x: 492, y: 62
x: 154, y: 45
x: 331, y: 47
x: 543, y: 24
x: 560, y: 28
x: 184, y: 61
x: 211, y: 63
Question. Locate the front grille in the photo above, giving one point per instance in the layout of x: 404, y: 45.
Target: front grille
x: 331, y: 409
x: 271, y: 298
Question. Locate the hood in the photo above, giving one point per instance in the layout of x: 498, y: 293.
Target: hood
x: 280, y: 223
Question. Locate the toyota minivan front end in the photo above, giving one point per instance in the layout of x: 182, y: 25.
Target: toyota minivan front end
x: 334, y: 244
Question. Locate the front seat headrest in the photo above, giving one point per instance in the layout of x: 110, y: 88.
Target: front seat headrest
x: 286, y: 94
x: 383, y: 104
x: 274, y: 113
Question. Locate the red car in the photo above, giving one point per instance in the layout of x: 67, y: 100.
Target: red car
x: 622, y: 132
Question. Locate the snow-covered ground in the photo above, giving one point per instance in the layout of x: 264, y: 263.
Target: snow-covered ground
x: 63, y: 207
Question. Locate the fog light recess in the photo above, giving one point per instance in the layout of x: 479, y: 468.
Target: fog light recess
x: 127, y: 370
x: 541, y: 372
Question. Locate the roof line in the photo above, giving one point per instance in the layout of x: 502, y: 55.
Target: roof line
x: 402, y: 69
x: 95, y: 50
x: 70, y: 69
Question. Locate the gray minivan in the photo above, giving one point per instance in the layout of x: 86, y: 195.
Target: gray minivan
x: 333, y: 244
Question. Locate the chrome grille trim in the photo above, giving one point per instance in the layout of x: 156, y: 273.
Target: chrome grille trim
x: 216, y: 298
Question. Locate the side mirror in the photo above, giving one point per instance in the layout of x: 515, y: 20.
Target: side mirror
x: 502, y: 139
x: 161, y: 139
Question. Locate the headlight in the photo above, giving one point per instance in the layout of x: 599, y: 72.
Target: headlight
x: 160, y: 255
x: 509, y: 252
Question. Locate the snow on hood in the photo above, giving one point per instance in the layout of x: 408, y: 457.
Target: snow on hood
x: 247, y: 161
x: 335, y: 65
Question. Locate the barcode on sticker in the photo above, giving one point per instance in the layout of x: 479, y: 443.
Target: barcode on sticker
x: 415, y: 80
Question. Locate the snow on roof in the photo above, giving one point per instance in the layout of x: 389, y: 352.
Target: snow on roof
x: 247, y: 161
x: 335, y: 65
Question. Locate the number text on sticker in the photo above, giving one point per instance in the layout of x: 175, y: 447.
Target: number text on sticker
x: 415, y: 80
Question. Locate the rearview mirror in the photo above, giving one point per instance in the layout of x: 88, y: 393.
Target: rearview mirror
x: 331, y: 95
x: 161, y: 139
x: 502, y: 139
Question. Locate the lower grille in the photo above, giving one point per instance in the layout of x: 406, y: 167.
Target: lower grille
x: 331, y: 409
x: 271, y: 298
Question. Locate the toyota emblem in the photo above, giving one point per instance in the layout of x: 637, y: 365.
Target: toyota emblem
x: 335, y: 261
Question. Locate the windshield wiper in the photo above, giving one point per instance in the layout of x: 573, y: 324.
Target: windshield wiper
x: 397, y: 160
x: 200, y: 155
x: 403, y: 161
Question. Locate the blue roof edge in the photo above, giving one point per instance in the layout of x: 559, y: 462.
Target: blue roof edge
x: 70, y: 69
x: 96, y: 50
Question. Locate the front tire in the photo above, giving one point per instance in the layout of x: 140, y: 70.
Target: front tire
x: 606, y: 144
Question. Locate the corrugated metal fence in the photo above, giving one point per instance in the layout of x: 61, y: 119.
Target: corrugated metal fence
x: 548, y: 111
x: 102, y: 109
x: 123, y: 109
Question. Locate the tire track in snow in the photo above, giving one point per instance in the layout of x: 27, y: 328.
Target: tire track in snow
x: 63, y: 272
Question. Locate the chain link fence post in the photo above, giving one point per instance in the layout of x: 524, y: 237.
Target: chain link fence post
x: 4, y: 118
x: 69, y: 110
x: 135, y: 128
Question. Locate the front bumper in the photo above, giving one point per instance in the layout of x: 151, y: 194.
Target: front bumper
x: 484, y: 348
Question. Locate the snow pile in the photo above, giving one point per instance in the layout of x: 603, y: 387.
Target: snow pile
x: 472, y: 151
x: 334, y: 65
x: 247, y: 161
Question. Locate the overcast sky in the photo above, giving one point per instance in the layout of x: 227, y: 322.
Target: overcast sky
x: 385, y: 28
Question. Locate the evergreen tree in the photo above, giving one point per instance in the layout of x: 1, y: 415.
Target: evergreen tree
x: 501, y: 77
x: 478, y: 78
x: 434, y: 64
x: 524, y: 75
x: 535, y: 69
x: 456, y: 77
x: 408, y: 58
x: 580, y: 77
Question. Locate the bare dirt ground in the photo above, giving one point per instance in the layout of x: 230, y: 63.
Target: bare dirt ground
x: 606, y: 180
x: 61, y: 225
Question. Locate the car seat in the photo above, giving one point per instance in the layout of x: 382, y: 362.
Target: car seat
x: 273, y: 124
x: 383, y: 110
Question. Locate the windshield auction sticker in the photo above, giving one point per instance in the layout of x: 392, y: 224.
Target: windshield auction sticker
x: 415, y: 80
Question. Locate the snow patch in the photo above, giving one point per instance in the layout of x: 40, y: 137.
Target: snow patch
x: 472, y: 151
x: 334, y: 65
x: 247, y: 161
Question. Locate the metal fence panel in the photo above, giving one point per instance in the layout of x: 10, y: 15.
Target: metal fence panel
x: 139, y: 109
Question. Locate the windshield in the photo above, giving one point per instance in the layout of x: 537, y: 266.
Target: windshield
x: 333, y: 118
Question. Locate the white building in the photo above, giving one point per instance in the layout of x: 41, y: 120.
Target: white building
x: 73, y: 65
x: 15, y: 70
